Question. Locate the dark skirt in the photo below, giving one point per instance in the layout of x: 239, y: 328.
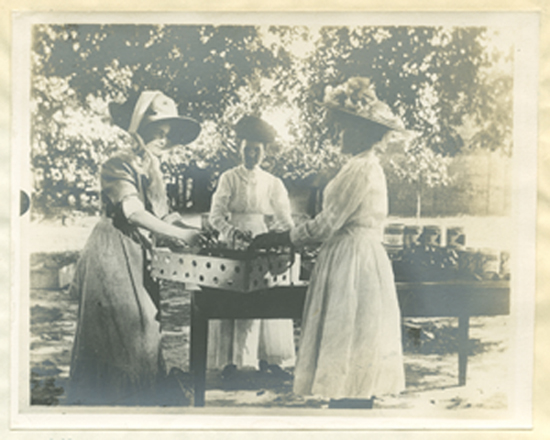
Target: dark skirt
x: 116, y: 358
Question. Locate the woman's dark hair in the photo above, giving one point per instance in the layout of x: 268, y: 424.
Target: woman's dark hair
x: 364, y: 133
x: 374, y: 133
x: 255, y: 129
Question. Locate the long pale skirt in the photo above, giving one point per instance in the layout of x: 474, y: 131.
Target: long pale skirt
x: 350, y: 345
x: 244, y: 342
x: 116, y: 358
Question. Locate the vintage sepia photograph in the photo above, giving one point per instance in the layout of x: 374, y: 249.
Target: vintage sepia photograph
x: 328, y: 216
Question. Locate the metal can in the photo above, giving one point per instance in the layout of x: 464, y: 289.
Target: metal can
x: 505, y: 264
x: 456, y: 238
x: 393, y: 236
x: 489, y: 263
x: 468, y: 262
x: 431, y: 235
x: 411, y: 237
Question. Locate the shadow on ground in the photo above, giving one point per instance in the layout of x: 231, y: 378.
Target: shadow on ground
x: 428, y: 344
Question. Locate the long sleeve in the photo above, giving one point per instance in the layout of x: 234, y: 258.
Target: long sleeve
x: 315, y: 230
x: 280, y: 204
x: 219, y: 211
x: 356, y: 195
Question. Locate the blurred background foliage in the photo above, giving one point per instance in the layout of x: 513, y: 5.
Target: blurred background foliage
x: 453, y: 86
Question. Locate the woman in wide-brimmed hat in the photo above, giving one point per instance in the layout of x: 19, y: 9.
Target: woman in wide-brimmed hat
x: 244, y: 196
x: 350, y: 346
x: 116, y: 357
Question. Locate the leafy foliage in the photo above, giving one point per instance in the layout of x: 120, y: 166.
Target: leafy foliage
x: 69, y: 144
x: 432, y: 77
x: 421, y: 167
x: 301, y: 165
x: 439, y: 80
x: 201, y: 67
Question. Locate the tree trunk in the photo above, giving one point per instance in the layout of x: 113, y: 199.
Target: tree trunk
x: 489, y: 189
x: 418, y: 203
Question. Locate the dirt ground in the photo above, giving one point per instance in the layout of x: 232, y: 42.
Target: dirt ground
x: 431, y: 360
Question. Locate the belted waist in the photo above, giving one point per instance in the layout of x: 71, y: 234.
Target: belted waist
x: 354, y: 224
x: 365, y: 228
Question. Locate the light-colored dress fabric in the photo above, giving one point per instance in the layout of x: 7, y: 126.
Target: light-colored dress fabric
x: 242, y: 199
x: 350, y: 346
x: 116, y: 356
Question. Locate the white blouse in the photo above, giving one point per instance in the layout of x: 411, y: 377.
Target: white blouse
x: 250, y: 195
x: 357, y: 196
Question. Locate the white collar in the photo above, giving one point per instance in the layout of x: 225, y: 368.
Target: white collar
x: 365, y: 154
x: 246, y: 172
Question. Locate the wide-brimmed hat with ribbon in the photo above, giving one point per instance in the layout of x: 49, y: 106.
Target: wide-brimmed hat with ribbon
x: 255, y: 129
x: 356, y: 99
x: 154, y: 106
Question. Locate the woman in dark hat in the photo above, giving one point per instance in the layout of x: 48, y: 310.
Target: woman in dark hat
x: 350, y: 346
x: 116, y: 357
x: 244, y: 196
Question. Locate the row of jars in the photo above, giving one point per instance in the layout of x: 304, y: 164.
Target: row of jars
x: 405, y: 236
x: 485, y: 261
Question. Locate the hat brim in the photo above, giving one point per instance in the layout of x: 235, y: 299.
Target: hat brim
x: 341, y: 111
x: 182, y: 130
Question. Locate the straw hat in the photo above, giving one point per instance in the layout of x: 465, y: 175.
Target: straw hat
x: 356, y: 99
x: 155, y: 106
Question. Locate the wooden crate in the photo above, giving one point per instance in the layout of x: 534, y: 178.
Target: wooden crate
x: 43, y: 277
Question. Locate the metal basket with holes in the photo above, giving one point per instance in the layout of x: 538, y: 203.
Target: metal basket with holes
x: 243, y: 273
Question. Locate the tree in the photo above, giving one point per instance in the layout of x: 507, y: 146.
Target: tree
x: 201, y: 67
x: 437, y: 79
x: 78, y: 69
x: 69, y: 142
x: 421, y: 167
x: 434, y: 77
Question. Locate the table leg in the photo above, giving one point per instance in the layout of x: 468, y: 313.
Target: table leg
x: 199, y: 341
x: 463, y: 329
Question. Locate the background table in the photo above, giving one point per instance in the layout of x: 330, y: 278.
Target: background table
x: 461, y: 299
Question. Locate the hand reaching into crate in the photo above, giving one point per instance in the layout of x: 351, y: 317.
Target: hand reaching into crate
x: 187, y: 239
x: 242, y: 235
x: 183, y: 236
x: 271, y: 240
x: 172, y: 218
x: 175, y: 218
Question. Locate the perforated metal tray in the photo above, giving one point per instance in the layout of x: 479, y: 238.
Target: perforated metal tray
x: 243, y: 273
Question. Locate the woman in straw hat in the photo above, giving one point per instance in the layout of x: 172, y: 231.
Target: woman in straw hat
x: 350, y: 347
x: 244, y: 196
x: 116, y: 357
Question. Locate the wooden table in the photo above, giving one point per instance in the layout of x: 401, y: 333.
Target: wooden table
x: 461, y: 299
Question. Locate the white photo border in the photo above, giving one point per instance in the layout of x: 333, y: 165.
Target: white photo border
x: 519, y: 415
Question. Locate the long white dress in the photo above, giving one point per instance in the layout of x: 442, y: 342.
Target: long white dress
x: 350, y: 345
x: 242, y: 199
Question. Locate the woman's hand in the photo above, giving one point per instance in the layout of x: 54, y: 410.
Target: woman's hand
x: 243, y: 235
x: 183, y: 240
x: 271, y: 240
x: 190, y: 237
x: 172, y: 218
x: 239, y: 239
